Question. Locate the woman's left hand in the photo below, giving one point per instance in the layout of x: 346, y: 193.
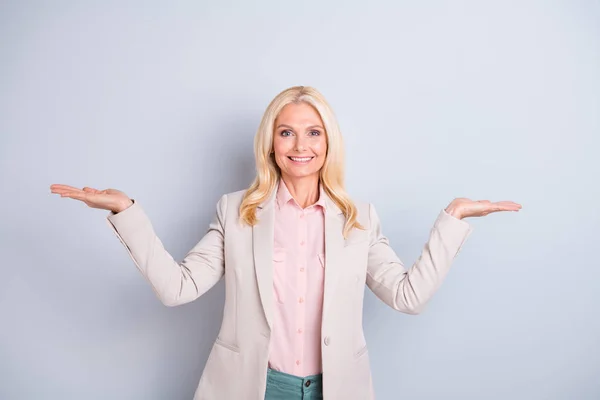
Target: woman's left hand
x: 462, y: 207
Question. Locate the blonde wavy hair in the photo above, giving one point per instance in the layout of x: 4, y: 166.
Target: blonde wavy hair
x: 268, y: 172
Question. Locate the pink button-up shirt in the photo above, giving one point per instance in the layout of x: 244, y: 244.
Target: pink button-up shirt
x: 298, y: 276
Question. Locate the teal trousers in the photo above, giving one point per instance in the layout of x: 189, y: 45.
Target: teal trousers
x: 282, y: 386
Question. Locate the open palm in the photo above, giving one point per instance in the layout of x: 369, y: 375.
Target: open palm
x: 107, y: 199
x: 463, y: 207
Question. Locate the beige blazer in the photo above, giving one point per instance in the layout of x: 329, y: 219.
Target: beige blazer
x: 237, y: 365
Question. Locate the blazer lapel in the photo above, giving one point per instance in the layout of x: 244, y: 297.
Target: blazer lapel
x: 262, y: 245
x: 334, y: 246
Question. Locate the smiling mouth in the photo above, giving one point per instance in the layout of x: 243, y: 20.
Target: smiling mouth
x: 301, y: 160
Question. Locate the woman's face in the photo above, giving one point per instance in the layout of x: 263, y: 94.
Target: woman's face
x: 299, y: 141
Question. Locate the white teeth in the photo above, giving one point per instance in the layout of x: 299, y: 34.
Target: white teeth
x: 303, y: 159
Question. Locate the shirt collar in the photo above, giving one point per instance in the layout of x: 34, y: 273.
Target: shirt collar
x: 284, y: 195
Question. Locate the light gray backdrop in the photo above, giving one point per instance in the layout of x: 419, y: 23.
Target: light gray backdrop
x: 436, y: 100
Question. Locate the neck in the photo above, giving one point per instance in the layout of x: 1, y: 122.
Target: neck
x: 304, y: 190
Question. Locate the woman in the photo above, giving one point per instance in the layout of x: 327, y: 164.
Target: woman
x: 296, y: 252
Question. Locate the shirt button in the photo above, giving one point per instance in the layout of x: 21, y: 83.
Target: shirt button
x: 302, y: 269
x: 297, y: 362
x: 326, y: 341
x: 307, y: 384
x: 301, y: 215
x: 302, y: 243
x: 301, y: 300
x: 299, y: 330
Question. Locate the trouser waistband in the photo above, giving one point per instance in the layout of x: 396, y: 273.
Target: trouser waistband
x: 308, y: 383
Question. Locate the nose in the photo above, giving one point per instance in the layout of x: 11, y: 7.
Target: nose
x: 299, y: 143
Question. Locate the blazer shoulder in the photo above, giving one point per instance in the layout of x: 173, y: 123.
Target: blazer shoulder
x: 363, y: 210
x: 233, y: 200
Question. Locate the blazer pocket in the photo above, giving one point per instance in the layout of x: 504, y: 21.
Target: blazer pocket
x: 279, y: 275
x: 228, y: 346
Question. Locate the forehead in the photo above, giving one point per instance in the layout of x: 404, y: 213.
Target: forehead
x: 298, y: 114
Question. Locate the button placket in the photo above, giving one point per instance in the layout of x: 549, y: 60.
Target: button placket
x: 301, y: 290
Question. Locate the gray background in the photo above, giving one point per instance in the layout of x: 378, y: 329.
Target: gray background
x: 436, y: 100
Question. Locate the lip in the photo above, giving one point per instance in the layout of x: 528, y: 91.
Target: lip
x: 300, y: 163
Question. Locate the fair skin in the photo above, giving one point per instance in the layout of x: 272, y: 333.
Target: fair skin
x: 300, y: 148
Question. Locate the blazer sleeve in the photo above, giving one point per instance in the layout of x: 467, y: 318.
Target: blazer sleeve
x: 173, y: 282
x: 409, y: 290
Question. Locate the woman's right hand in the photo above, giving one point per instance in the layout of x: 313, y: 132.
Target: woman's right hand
x: 107, y: 199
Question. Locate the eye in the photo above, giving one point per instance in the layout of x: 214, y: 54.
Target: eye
x: 285, y: 133
x: 315, y: 133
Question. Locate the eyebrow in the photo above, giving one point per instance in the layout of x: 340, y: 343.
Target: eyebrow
x: 308, y: 127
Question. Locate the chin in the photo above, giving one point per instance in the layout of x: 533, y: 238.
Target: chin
x: 301, y: 174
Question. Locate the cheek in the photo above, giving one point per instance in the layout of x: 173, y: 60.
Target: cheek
x: 281, y: 148
x: 320, y: 147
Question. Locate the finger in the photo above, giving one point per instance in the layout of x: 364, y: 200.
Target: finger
x: 75, y: 195
x: 81, y: 195
x: 60, y: 191
x: 508, y: 204
x: 60, y: 186
x: 90, y: 190
x: 506, y: 208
